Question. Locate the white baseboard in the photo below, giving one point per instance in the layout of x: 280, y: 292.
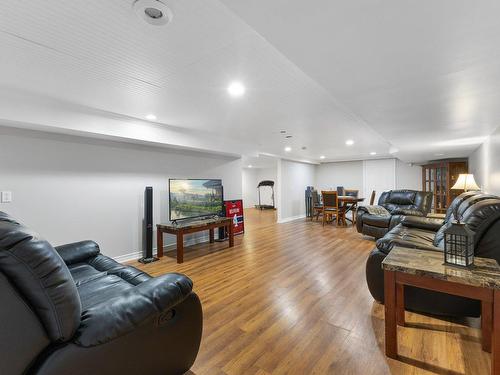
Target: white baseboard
x: 291, y: 218
x: 128, y: 257
x: 170, y: 247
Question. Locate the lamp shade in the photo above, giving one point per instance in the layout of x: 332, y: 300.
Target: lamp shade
x: 465, y: 182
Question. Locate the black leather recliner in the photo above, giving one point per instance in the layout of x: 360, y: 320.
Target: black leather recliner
x: 480, y: 212
x: 398, y: 203
x: 72, y: 310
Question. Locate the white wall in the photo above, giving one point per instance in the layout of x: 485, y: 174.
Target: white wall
x: 250, y: 179
x: 266, y: 193
x: 484, y: 163
x: 249, y: 187
x: 369, y: 175
x: 408, y: 176
x: 267, y: 174
x: 293, y: 178
x: 347, y: 174
x: 69, y: 188
x: 378, y: 175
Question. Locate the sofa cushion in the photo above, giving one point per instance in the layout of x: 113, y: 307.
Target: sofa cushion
x: 100, y: 278
x: 83, y: 273
x: 101, y: 289
x: 112, y: 267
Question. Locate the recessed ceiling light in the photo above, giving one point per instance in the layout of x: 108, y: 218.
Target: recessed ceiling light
x: 438, y: 154
x: 322, y: 157
x: 349, y: 142
x: 151, y: 117
x: 288, y: 149
x: 373, y: 153
x: 288, y: 136
x: 250, y: 166
x: 236, y: 89
x: 282, y: 131
x: 153, y: 12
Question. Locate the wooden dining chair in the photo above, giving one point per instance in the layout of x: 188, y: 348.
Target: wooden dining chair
x: 372, y: 198
x: 352, y: 193
x: 331, y: 207
x: 317, y: 206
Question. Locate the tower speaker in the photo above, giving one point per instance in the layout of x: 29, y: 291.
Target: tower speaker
x: 148, y: 226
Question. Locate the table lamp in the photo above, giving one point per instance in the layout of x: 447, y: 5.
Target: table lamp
x: 464, y: 182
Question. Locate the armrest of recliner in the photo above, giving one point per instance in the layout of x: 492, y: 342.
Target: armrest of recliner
x: 120, y: 315
x: 77, y: 252
x: 422, y: 223
x: 386, y: 244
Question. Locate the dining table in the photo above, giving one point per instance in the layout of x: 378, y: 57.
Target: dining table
x: 350, y: 202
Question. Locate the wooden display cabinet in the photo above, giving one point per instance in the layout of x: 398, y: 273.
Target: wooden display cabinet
x: 438, y: 177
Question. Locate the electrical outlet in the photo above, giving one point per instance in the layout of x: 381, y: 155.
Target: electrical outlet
x: 6, y: 197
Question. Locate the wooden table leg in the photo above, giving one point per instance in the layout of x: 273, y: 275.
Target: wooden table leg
x: 391, y: 329
x: 159, y: 243
x: 495, y: 350
x: 486, y: 324
x: 230, y: 230
x: 180, y: 247
x: 400, y: 304
x: 211, y: 235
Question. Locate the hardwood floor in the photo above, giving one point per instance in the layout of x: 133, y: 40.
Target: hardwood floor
x: 292, y: 299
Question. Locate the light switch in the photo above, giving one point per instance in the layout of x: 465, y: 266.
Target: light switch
x: 6, y: 197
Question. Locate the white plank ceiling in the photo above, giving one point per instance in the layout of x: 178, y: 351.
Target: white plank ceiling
x: 391, y: 75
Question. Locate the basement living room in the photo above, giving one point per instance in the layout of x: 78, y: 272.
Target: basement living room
x: 233, y: 187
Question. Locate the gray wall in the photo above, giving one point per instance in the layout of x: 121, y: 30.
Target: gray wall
x: 71, y: 188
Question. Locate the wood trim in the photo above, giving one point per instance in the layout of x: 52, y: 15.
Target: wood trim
x: 400, y: 303
x: 495, y: 353
x: 449, y: 287
x: 486, y: 324
x: 391, y: 333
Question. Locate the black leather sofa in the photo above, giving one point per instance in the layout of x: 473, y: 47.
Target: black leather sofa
x: 398, y: 204
x: 72, y: 310
x: 480, y: 212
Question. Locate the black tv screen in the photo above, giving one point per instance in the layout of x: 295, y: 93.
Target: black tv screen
x: 190, y: 198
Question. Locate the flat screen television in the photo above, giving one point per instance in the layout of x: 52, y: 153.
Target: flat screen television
x: 192, y: 198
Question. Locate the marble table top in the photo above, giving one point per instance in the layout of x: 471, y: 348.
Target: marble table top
x: 484, y: 273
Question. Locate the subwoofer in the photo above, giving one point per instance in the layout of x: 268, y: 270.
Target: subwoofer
x: 148, y: 226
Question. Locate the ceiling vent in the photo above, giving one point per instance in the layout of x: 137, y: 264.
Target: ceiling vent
x: 153, y: 12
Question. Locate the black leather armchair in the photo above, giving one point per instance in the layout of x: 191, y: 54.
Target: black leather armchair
x: 72, y: 310
x: 397, y: 204
x: 480, y: 212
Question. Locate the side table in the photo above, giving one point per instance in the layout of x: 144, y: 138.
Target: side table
x: 425, y: 269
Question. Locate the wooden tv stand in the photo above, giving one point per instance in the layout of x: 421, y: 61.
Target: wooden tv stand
x: 182, y: 228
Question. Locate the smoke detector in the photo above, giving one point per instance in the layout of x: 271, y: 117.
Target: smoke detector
x: 154, y: 12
